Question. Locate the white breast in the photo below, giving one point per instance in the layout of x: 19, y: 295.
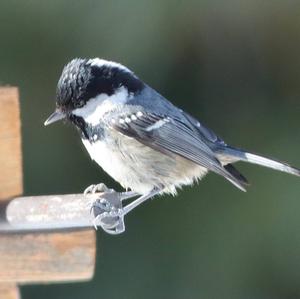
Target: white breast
x: 125, y: 169
x: 139, y: 167
x: 109, y: 160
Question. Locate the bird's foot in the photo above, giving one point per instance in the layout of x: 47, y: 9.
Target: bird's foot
x: 97, y: 188
x: 107, y: 209
x: 107, y: 213
x: 111, y: 222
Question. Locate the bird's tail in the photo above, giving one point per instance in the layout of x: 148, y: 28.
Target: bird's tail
x: 227, y: 154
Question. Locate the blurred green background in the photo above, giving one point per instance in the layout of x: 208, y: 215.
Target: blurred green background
x: 233, y: 64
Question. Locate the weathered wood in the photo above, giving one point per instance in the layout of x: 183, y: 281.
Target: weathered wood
x: 35, y: 257
x: 10, y: 144
x: 56, y: 211
x: 47, y: 257
x: 9, y: 291
x: 50, y: 211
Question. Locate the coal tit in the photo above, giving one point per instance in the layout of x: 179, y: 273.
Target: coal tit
x: 141, y: 139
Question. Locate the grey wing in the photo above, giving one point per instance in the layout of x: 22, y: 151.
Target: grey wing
x: 202, y: 130
x: 152, y: 101
x: 171, y: 136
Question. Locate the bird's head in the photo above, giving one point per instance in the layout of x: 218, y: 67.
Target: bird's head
x: 85, y: 83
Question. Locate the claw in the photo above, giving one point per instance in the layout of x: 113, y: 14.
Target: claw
x: 107, y: 212
x: 97, y: 188
x: 95, y: 223
x: 107, y: 209
x: 102, y: 205
x: 111, y: 222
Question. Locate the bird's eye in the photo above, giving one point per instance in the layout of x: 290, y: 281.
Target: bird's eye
x: 79, y: 104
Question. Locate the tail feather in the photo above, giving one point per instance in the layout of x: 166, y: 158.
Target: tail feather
x: 282, y: 166
x: 230, y: 155
x: 235, y: 173
x: 236, y: 182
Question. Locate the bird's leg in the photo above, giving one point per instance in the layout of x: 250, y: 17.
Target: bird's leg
x: 111, y: 217
x: 139, y: 201
x: 127, y: 195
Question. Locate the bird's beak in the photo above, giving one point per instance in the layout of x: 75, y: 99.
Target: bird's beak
x: 55, y: 116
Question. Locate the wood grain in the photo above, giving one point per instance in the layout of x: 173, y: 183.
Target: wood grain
x: 46, y: 212
x: 47, y: 257
x: 9, y: 291
x: 51, y: 211
x: 10, y: 144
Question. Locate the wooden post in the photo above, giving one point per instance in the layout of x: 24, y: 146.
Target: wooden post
x: 47, y: 257
x: 27, y: 257
x: 10, y: 144
x: 9, y: 291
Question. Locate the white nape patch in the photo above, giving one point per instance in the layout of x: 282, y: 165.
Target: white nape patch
x: 157, y: 124
x: 93, y: 111
x: 102, y: 62
x: 95, y: 137
x: 139, y: 114
x: 127, y: 119
x: 133, y: 117
x: 121, y: 121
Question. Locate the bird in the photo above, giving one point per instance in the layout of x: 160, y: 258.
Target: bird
x: 139, y: 138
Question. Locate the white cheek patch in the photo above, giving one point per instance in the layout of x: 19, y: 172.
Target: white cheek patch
x: 95, y: 108
x: 91, y: 106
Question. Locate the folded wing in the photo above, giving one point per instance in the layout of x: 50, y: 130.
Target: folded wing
x: 172, y: 136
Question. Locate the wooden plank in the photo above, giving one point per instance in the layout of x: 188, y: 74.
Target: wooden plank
x: 47, y: 257
x: 10, y: 144
x: 9, y: 291
x: 55, y: 211
x: 51, y: 211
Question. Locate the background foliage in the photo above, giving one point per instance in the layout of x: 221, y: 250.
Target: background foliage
x: 234, y: 65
